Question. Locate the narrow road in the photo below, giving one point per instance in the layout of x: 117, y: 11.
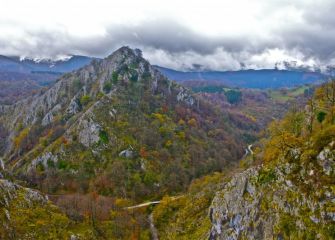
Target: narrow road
x: 153, y: 229
x: 151, y: 203
x: 250, y: 150
x: 143, y: 205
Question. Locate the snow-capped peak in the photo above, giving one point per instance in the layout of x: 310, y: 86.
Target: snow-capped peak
x: 62, y: 58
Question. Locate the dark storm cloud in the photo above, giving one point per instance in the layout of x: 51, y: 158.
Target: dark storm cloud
x: 166, y: 35
x: 172, y: 37
x: 313, y: 37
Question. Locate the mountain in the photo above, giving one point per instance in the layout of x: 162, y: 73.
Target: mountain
x: 283, y: 189
x: 26, y: 65
x: 122, y: 152
x: 114, y: 131
x: 20, y: 77
x: 262, y: 79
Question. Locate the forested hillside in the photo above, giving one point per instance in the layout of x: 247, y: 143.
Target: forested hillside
x: 117, y: 133
x: 112, y: 134
x: 286, y: 192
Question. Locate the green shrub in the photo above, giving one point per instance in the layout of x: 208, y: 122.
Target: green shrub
x: 321, y: 116
x: 103, y: 137
x: 40, y: 167
x: 84, y: 100
x: 133, y: 76
x: 266, y: 176
x: 233, y: 96
x: 100, y: 95
x: 115, y: 77
x: 62, y: 164
x: 107, y: 87
x: 324, y: 137
x: 50, y: 163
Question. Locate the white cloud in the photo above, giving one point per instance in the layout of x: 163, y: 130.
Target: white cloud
x: 217, y: 34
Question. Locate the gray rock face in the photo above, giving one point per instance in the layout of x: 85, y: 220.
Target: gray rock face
x: 73, y: 107
x: 9, y: 191
x: 254, y: 203
x: 185, y: 96
x: 326, y: 159
x: 44, y: 159
x: 235, y: 209
x: 48, y: 118
x: 2, y: 164
x: 24, y: 198
x: 89, y: 132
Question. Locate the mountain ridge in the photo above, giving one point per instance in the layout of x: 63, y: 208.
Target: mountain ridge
x: 98, y: 109
x: 262, y: 79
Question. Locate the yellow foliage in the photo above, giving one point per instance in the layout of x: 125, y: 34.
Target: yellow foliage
x: 181, y: 122
x: 192, y: 122
x: 181, y: 135
x: 159, y: 116
x: 168, y: 143
x: 22, y: 135
x: 252, y: 118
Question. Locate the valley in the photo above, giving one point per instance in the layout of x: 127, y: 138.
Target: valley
x: 116, y: 150
x: 167, y: 120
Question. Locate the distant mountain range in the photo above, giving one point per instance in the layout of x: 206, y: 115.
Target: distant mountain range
x: 16, y: 68
x: 266, y: 78
x: 26, y: 65
x: 20, y: 76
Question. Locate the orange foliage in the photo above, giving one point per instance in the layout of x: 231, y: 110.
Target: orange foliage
x: 143, y: 152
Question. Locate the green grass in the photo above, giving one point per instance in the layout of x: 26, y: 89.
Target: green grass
x: 288, y: 94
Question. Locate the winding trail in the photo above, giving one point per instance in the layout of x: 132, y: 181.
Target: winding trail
x: 153, y: 229
x: 250, y: 150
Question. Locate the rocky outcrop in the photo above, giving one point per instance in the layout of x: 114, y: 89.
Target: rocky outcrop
x: 45, y: 160
x: 235, y: 210
x: 10, y: 191
x: 27, y: 214
x: 260, y: 203
x: 326, y: 159
x: 89, y: 132
x: 127, y: 153
x: 49, y: 117
x: 73, y: 107
x: 185, y: 96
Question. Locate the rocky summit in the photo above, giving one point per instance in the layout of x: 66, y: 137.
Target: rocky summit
x: 116, y: 129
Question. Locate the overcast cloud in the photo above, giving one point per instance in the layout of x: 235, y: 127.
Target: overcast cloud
x: 211, y: 34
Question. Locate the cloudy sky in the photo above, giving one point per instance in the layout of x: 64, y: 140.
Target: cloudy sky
x: 210, y: 34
